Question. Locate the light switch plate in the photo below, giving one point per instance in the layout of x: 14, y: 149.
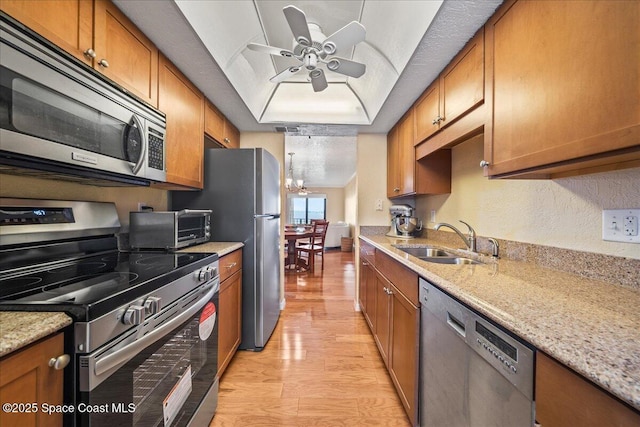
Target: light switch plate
x: 621, y: 225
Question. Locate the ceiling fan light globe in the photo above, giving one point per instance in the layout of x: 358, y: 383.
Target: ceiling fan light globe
x: 311, y: 61
x: 333, y: 64
x: 329, y: 48
x: 303, y: 41
x: 314, y: 74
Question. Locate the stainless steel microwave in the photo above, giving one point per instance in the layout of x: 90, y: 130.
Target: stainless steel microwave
x: 58, y: 115
x: 169, y: 230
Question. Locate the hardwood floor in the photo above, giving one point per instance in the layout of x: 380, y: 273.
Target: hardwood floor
x: 321, y: 367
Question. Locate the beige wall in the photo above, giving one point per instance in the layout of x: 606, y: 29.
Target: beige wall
x: 372, y: 179
x: 564, y: 213
x: 125, y: 198
x: 351, y: 204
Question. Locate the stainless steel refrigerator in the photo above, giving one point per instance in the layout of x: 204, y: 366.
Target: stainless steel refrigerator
x: 242, y: 188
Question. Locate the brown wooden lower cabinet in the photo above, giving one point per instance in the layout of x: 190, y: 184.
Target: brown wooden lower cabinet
x: 26, y: 378
x: 564, y: 398
x: 230, y: 307
x: 393, y: 315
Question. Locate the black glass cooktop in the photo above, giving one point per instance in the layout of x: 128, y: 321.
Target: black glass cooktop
x: 94, y: 285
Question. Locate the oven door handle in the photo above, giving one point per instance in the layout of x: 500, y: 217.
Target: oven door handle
x: 123, y: 355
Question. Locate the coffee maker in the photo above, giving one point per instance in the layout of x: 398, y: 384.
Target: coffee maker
x: 403, y: 224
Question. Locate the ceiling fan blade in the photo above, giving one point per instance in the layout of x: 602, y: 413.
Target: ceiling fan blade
x: 318, y: 80
x: 276, y: 51
x: 346, y: 67
x: 343, y: 39
x: 298, y: 22
x: 284, y: 75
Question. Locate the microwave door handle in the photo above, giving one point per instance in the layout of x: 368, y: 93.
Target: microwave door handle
x: 123, y: 355
x: 193, y: 211
x: 143, y: 153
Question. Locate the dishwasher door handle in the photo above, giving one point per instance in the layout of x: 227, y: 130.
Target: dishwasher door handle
x: 457, y: 325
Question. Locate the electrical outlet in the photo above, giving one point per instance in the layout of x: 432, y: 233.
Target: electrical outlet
x: 433, y: 216
x: 141, y: 205
x: 620, y: 225
x: 378, y: 204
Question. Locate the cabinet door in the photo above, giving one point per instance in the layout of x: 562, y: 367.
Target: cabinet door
x: 66, y: 23
x: 427, y: 113
x: 183, y: 105
x: 393, y: 167
x: 213, y: 122
x: 232, y: 135
x: 563, y: 83
x: 124, y: 54
x: 27, y: 378
x: 406, y: 155
x: 462, y: 82
x: 383, y: 311
x: 230, y: 330
x: 403, y: 353
x: 564, y: 398
x: 367, y: 290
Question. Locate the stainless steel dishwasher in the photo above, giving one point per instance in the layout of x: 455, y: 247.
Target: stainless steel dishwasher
x: 472, y: 373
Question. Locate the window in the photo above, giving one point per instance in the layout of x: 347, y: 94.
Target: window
x: 303, y: 209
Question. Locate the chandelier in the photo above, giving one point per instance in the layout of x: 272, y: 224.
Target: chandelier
x: 294, y: 185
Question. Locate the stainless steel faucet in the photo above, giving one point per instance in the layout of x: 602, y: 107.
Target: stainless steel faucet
x: 495, y: 246
x: 469, y: 241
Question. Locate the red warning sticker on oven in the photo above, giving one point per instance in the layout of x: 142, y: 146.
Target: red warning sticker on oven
x: 207, y: 321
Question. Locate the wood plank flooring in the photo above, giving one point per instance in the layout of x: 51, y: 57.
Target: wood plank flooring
x: 321, y: 367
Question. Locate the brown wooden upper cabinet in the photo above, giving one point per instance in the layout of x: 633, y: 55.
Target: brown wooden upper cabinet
x: 563, y: 88
x: 98, y: 34
x: 401, y: 158
x: 183, y: 105
x: 458, y: 90
x: 405, y: 175
x: 217, y: 127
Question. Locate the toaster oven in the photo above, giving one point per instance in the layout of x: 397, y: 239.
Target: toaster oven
x: 169, y: 230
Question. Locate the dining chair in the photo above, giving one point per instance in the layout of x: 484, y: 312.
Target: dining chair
x: 315, y: 246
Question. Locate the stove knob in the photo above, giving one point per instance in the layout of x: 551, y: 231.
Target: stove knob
x: 134, y: 315
x: 201, y: 275
x: 152, y: 305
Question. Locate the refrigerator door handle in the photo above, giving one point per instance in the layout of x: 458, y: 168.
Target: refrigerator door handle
x: 270, y: 216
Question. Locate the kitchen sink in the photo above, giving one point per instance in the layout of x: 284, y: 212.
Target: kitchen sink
x: 436, y: 255
x: 450, y: 260
x: 421, y: 252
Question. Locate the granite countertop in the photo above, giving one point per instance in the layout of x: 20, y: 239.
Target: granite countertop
x: 19, y: 328
x: 590, y: 325
x: 221, y: 248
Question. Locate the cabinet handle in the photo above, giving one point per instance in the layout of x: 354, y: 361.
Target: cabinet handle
x: 434, y: 121
x: 233, y: 264
x: 396, y: 189
x: 227, y: 140
x: 90, y: 53
x: 484, y: 163
x: 389, y: 292
x: 59, y: 362
x: 365, y: 263
x: 103, y: 63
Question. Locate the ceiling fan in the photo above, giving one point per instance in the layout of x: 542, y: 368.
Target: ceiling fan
x: 312, y: 48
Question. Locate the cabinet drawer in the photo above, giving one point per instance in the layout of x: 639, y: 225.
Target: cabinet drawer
x: 367, y: 252
x: 229, y: 264
x: 402, y: 278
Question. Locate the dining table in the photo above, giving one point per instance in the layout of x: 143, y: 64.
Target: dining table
x: 292, y: 235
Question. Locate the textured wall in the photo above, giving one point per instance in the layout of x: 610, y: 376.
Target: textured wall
x: 564, y: 213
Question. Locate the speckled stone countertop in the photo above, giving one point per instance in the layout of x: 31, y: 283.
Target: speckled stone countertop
x: 19, y: 328
x: 590, y: 325
x: 221, y: 248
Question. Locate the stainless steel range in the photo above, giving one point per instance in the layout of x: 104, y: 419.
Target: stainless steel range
x: 145, y: 338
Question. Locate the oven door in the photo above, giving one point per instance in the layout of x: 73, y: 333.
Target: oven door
x: 165, y: 382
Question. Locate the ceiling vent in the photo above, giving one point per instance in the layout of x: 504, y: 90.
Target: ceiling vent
x: 288, y: 129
